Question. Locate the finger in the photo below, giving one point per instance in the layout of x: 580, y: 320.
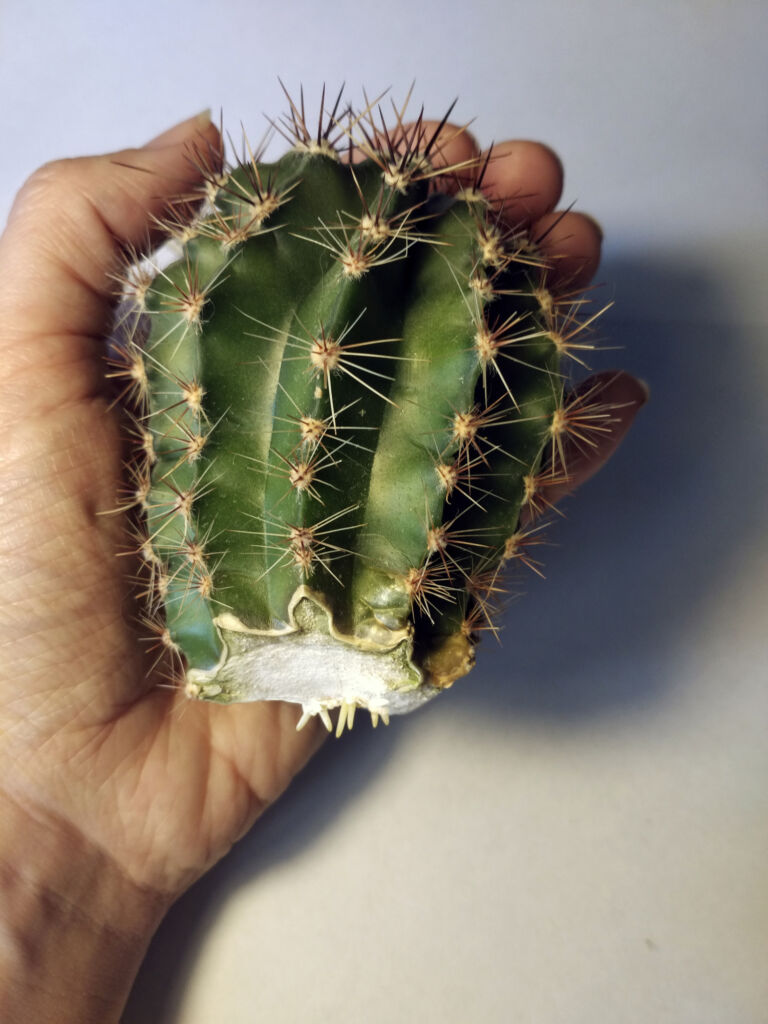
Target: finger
x: 73, y: 220
x: 451, y: 147
x: 524, y: 179
x: 616, y: 395
x: 572, y: 244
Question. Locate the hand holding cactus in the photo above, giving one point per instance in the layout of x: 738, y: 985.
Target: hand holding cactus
x: 107, y: 775
x: 348, y: 405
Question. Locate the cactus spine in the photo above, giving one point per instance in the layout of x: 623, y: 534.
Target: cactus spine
x: 345, y: 392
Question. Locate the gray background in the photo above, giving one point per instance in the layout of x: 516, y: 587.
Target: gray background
x: 577, y: 832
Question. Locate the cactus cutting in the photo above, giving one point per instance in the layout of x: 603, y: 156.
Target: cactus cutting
x: 347, y: 393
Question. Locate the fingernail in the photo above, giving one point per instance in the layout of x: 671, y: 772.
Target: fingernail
x: 181, y: 131
x: 617, y: 386
x: 644, y: 390
x: 634, y: 390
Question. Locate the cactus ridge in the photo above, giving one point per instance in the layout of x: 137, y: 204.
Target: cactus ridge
x: 345, y: 395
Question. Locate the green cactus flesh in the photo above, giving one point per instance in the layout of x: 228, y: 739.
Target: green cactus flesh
x: 349, y: 386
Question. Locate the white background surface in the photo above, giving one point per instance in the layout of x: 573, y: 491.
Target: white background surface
x: 578, y: 832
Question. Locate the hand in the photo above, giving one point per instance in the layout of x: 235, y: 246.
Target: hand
x: 102, y: 771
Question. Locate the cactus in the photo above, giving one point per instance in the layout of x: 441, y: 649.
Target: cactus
x: 344, y: 395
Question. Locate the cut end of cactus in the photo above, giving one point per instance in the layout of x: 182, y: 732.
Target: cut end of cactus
x: 308, y: 662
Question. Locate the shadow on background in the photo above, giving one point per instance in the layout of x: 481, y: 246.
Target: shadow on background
x: 635, y: 554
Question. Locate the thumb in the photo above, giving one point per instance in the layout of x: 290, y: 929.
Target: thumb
x: 72, y: 222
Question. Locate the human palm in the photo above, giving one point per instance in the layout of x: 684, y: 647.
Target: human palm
x: 93, y: 743
x: 89, y: 738
x: 90, y: 741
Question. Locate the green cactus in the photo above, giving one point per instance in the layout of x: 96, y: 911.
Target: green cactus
x: 345, y: 392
